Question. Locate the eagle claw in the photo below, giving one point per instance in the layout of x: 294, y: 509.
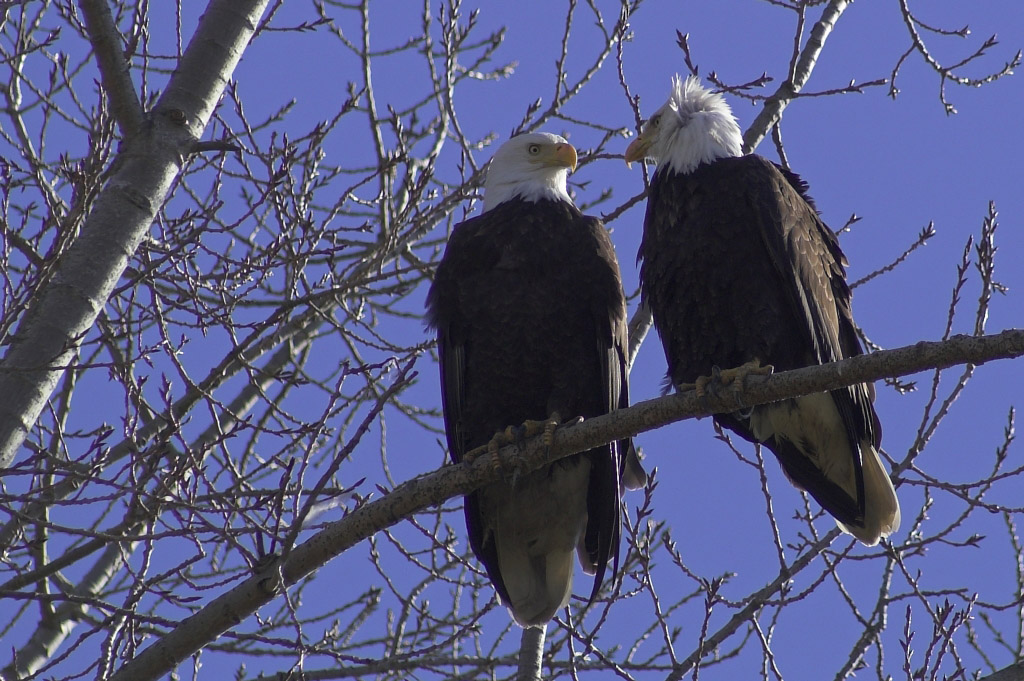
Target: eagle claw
x: 515, y: 435
x: 719, y: 378
x: 501, y: 438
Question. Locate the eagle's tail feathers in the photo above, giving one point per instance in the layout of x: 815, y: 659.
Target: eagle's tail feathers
x: 538, y: 585
x: 882, y: 508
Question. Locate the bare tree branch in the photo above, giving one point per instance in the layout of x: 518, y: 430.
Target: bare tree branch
x: 416, y: 495
x: 117, y: 81
x: 243, y: 408
x: 771, y: 113
x: 46, y: 342
x: 531, y: 654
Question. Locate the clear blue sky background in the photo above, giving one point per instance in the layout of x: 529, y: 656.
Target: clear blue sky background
x: 899, y: 164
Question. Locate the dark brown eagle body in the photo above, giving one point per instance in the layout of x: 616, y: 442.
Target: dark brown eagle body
x: 531, y: 321
x: 738, y: 266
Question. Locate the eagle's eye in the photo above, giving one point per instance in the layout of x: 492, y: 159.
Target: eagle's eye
x: 534, y: 149
x: 655, y: 120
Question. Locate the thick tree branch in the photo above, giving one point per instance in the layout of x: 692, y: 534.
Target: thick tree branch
x: 47, y: 340
x: 425, y: 491
x: 59, y: 621
x: 531, y: 653
x: 639, y: 325
x: 771, y: 112
x: 117, y: 81
x: 232, y: 398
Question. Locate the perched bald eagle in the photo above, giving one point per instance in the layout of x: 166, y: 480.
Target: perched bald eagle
x: 531, y: 325
x: 739, y: 271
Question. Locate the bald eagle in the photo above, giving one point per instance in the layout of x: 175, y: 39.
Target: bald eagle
x: 740, y: 271
x: 530, y: 316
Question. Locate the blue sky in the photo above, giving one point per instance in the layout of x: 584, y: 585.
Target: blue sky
x: 899, y: 164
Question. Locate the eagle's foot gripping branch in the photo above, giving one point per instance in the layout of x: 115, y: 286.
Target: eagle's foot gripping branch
x: 721, y: 378
x: 500, y: 439
x: 531, y: 428
x: 516, y: 434
x: 742, y: 373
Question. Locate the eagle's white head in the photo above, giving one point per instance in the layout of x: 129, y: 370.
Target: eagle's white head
x: 694, y: 126
x: 533, y: 166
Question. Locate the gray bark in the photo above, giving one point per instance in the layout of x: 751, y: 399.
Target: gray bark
x: 46, y: 342
x: 431, y: 489
x: 771, y: 112
x: 531, y: 653
x: 59, y: 622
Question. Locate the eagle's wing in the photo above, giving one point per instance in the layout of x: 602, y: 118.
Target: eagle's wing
x: 465, y: 252
x: 468, y: 252
x: 807, y: 257
x: 616, y: 465
x: 821, y: 268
